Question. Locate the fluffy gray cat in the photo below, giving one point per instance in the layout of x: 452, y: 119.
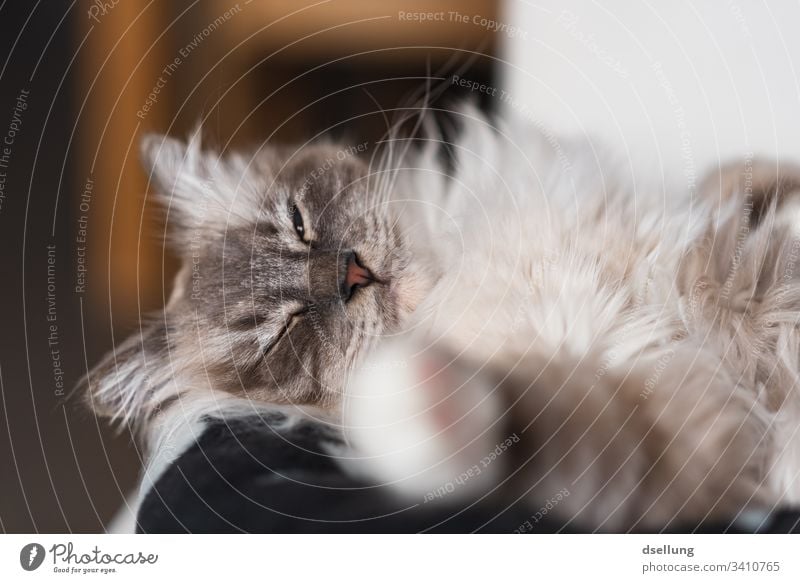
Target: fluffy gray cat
x: 525, y: 324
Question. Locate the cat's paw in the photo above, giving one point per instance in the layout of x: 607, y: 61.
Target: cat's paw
x: 421, y: 420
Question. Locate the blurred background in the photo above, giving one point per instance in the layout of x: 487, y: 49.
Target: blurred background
x: 674, y: 87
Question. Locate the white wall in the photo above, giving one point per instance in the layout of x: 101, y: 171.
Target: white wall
x: 676, y: 84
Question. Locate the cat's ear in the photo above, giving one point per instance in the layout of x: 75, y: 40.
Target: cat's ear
x: 199, y: 188
x: 132, y: 380
x: 177, y: 171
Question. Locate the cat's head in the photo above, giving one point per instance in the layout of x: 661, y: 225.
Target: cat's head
x: 293, y: 264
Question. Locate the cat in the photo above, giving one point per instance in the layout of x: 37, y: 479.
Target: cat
x: 523, y: 322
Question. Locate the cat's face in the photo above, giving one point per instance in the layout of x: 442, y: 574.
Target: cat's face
x: 290, y: 298
x: 293, y: 266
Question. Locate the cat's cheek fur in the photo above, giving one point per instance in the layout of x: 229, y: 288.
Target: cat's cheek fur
x: 409, y: 290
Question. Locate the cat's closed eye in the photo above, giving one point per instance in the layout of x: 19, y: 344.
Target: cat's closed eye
x: 291, y: 322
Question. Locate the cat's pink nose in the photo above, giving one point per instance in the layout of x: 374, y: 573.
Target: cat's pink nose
x: 356, y: 275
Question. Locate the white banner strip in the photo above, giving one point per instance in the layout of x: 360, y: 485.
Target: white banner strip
x: 354, y: 558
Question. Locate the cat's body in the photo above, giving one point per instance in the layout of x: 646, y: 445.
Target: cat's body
x: 534, y: 317
x: 643, y: 345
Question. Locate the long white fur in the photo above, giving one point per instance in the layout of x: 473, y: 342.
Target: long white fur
x: 548, y: 254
